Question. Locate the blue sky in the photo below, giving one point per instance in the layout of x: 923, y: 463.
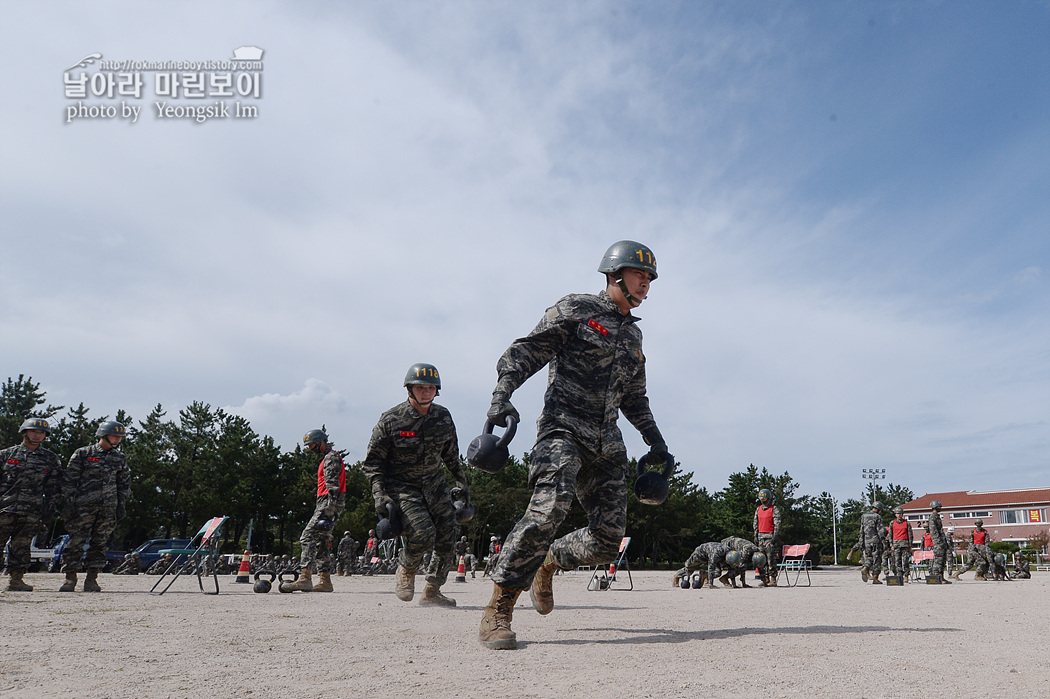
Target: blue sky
x: 847, y: 201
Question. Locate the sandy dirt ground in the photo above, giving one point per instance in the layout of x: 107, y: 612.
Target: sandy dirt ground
x: 836, y: 638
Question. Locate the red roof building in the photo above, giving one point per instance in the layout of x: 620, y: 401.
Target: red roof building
x: 1010, y: 515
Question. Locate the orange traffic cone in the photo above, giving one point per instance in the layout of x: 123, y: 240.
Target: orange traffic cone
x: 244, y: 573
x: 612, y: 571
x: 461, y: 571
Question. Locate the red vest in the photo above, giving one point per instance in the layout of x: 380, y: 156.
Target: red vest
x: 899, y: 530
x: 322, y: 487
x: 765, y: 520
x: 927, y: 541
x: 980, y: 537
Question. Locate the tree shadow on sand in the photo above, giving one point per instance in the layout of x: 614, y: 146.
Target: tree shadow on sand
x: 634, y: 636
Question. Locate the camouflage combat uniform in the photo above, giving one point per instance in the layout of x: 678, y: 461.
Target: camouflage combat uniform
x: 470, y: 561
x: 712, y: 555
x: 596, y: 371
x: 316, y: 539
x: 403, y: 462
x: 871, y: 542
x: 974, y: 554
x: 767, y: 543
x: 95, y: 489
x: 345, y: 554
x: 900, y: 547
x: 940, y: 545
x: 30, y: 483
x: 746, y: 549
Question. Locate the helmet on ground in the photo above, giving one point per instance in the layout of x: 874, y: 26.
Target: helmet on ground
x: 420, y: 374
x: 733, y: 558
x: 898, y: 510
x: 877, y: 505
x: 759, y: 560
x: 35, y: 423
x: 765, y: 495
x: 111, y: 427
x: 627, y: 253
x: 979, y: 523
x: 935, y: 505
x: 315, y: 437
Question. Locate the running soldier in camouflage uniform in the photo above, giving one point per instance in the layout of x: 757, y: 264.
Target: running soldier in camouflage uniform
x: 346, y: 552
x: 470, y: 561
x: 940, y: 543
x: 766, y: 527
x: 900, y: 543
x: 711, y: 555
x: 403, y: 462
x: 316, y: 539
x: 871, y: 540
x: 746, y: 549
x: 30, y: 485
x: 975, y: 554
x: 593, y: 347
x: 94, y: 489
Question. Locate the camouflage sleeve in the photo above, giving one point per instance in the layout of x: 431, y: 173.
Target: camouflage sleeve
x: 776, y: 523
x: 754, y: 525
x: 53, y: 485
x: 374, y: 465
x: 635, y: 407
x: 909, y: 534
x: 123, y: 483
x: 333, y: 470
x: 450, y: 457
x: 71, y: 480
x: 529, y: 354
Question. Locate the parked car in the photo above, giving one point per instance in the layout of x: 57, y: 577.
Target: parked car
x: 47, y: 558
x: 149, y: 552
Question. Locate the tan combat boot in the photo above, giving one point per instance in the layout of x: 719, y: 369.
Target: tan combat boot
x: 432, y: 596
x: 405, y: 585
x: 16, y: 584
x: 91, y: 581
x: 542, y: 590
x: 980, y: 576
x: 725, y: 580
x: 955, y: 575
x: 70, y: 584
x: 876, y: 581
x: 495, y: 631
x: 676, y: 580
x: 305, y: 583
x: 324, y: 583
x: 864, y: 573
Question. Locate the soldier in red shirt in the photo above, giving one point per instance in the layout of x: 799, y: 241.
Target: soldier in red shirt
x: 766, y: 527
x: 900, y: 543
x: 975, y: 553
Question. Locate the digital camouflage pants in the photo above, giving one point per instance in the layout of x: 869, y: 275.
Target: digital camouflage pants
x: 768, y: 545
x: 900, y: 557
x: 430, y: 525
x: 317, y: 541
x: 559, y: 471
x: 871, y: 557
x: 21, y: 529
x: 92, y: 526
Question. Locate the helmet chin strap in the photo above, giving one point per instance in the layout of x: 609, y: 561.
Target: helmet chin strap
x: 634, y: 302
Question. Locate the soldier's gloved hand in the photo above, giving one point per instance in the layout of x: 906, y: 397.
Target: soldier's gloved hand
x: 501, y: 409
x: 460, y: 492
x: 382, y: 500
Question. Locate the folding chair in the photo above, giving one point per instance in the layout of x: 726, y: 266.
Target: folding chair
x: 202, y: 550
x: 920, y: 564
x: 603, y: 579
x: 793, y: 559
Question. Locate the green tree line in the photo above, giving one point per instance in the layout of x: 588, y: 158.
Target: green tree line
x: 203, y: 461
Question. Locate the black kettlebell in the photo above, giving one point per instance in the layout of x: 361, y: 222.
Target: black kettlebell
x: 280, y: 576
x: 488, y: 452
x: 390, y: 526
x: 698, y: 581
x: 684, y: 583
x: 263, y: 586
x: 464, y: 510
x: 652, y: 487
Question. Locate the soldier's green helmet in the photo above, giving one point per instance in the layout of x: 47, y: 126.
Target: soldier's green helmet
x: 999, y: 558
x: 759, y: 560
x: 733, y: 558
x: 111, y: 427
x: 877, y: 505
x: 935, y: 505
x: 979, y: 523
x: 627, y: 253
x: 420, y: 374
x: 764, y: 495
x: 315, y: 437
x: 898, y: 510
x: 35, y: 423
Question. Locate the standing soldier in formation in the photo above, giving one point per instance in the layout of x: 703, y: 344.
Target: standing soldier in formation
x: 766, y: 527
x: 346, y: 552
x: 316, y: 539
x: 95, y: 489
x: 711, y: 555
x: 746, y: 549
x: 493, y: 557
x: 593, y: 347
x: 975, y: 552
x: 470, y: 561
x: 408, y: 446
x: 30, y: 484
x: 900, y: 543
x: 940, y: 543
x: 871, y: 544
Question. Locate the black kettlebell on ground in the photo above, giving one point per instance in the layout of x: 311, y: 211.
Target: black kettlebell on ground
x: 390, y: 526
x: 488, y: 452
x: 698, y: 581
x: 684, y: 583
x: 262, y: 585
x: 464, y: 510
x: 652, y: 487
x: 280, y: 576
